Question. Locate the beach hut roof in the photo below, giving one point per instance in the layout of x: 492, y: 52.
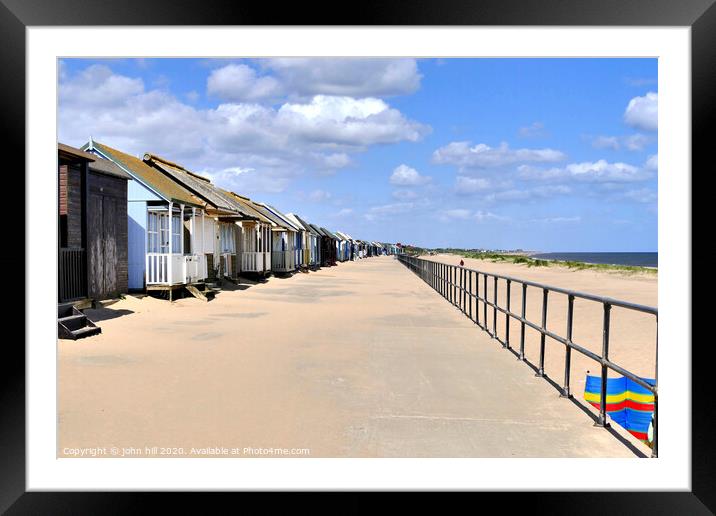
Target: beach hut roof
x: 318, y: 230
x: 294, y: 220
x: 329, y: 234
x: 309, y: 227
x: 152, y: 178
x: 96, y: 163
x: 248, y: 206
x: 284, y: 221
x: 274, y: 219
x: 108, y: 168
x: 198, y: 184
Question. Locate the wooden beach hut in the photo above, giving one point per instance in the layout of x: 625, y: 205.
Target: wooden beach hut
x: 328, y: 248
x: 307, y: 240
x: 226, y: 215
x: 255, y: 238
x: 92, y: 227
x: 335, y: 242
x: 314, y: 243
x: 92, y: 237
x: 283, y: 239
x: 168, y: 229
x: 342, y: 246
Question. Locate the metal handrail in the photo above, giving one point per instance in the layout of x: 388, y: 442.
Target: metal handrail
x: 454, y: 283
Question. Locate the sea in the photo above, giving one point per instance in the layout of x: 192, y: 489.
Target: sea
x: 635, y: 259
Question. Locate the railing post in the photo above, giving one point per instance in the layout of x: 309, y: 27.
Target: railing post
x: 602, y: 418
x: 494, y: 310
x: 484, y: 302
x: 540, y: 371
x: 464, y: 290
x: 507, y: 317
x: 522, y: 324
x: 477, y: 299
x: 568, y: 348
x: 454, y: 285
x: 469, y: 306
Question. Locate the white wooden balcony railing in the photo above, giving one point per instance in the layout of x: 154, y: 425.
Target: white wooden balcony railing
x: 253, y: 261
x: 184, y: 268
x: 283, y: 261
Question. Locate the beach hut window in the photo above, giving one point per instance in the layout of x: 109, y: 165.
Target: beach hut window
x: 152, y: 233
x: 163, y: 232
x: 226, y: 238
x: 158, y: 232
x: 176, y: 233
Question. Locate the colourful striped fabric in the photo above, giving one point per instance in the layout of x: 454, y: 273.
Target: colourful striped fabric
x: 628, y: 404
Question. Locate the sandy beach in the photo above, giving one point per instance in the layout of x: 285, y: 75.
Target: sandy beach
x: 633, y: 334
x: 358, y: 360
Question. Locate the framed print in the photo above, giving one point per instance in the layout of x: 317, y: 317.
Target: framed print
x: 450, y: 250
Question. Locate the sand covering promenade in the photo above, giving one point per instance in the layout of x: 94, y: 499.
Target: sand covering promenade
x: 358, y: 360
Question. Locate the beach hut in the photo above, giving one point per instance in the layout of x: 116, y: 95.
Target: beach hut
x: 302, y: 250
x: 255, y: 237
x: 168, y: 239
x: 314, y: 243
x: 352, y: 247
x: 92, y: 230
x: 336, y: 240
x: 348, y: 247
x: 225, y: 213
x: 328, y: 246
x: 308, y: 240
x: 283, y: 238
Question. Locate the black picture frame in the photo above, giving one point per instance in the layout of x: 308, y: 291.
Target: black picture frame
x: 16, y: 15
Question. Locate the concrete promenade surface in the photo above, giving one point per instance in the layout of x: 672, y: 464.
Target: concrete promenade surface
x: 358, y: 360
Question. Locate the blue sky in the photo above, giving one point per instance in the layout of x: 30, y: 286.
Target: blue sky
x: 539, y: 154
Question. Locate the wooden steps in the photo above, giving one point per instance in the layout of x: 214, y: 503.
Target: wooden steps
x: 201, y: 291
x: 73, y: 324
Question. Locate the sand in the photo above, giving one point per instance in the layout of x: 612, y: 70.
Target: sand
x: 358, y: 360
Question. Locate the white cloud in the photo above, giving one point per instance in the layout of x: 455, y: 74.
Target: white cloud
x: 558, y: 220
x: 588, y: 171
x: 484, y: 216
x: 462, y: 155
x: 355, y: 77
x: 479, y: 216
x: 319, y: 196
x: 403, y: 194
x: 344, y: 212
x: 534, y: 130
x: 509, y: 195
x: 641, y: 195
x: 239, y: 82
x: 97, y: 87
x: 386, y: 210
x: 642, y: 112
x: 550, y: 190
x: 469, y: 185
x: 652, y: 162
x: 632, y: 142
x: 457, y: 213
x: 279, y: 143
x: 603, y: 171
x: 403, y: 175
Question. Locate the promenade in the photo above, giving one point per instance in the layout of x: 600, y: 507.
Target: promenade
x: 358, y: 360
